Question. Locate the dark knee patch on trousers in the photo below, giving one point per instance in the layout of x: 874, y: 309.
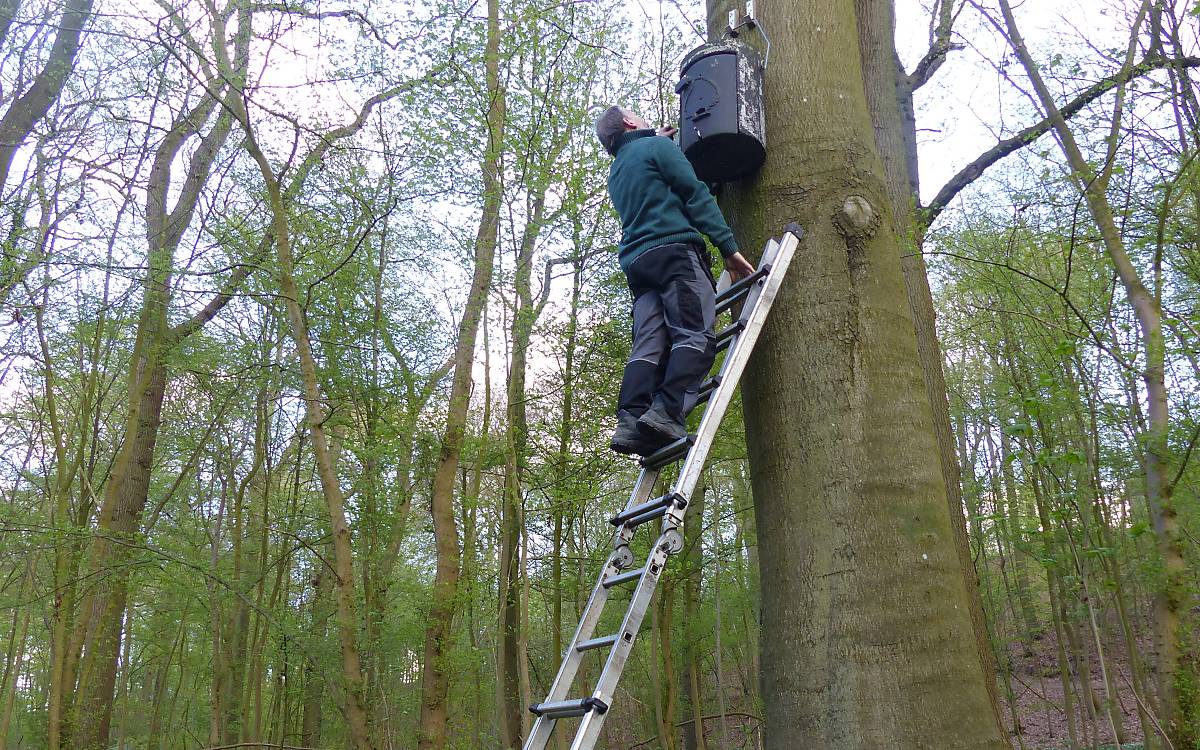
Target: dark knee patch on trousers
x: 691, y: 313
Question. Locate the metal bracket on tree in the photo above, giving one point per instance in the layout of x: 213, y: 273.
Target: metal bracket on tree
x: 737, y: 22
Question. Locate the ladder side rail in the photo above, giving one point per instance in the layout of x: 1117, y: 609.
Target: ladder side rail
x: 723, y: 372
x: 768, y: 261
x: 735, y: 364
x: 543, y: 726
x: 589, y: 728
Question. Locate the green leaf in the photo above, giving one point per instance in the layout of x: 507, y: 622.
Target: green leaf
x: 1065, y: 348
x: 1017, y: 429
x: 1073, y: 457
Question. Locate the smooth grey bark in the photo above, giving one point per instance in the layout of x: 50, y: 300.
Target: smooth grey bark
x: 867, y: 639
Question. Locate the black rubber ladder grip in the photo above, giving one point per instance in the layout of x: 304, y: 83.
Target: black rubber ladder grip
x: 668, y: 453
x: 647, y: 517
x: 707, y: 389
x: 645, y: 508
x: 726, y: 334
x: 569, y: 708
x: 737, y: 290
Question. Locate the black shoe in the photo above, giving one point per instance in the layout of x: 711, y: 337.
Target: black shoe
x: 628, y: 440
x: 659, y: 426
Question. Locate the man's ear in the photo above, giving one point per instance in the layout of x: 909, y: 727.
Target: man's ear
x: 629, y: 124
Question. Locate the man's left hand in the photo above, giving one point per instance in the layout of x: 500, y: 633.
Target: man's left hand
x: 738, y: 267
x: 666, y: 131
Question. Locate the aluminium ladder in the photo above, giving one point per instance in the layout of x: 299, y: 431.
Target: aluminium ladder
x: 758, y: 290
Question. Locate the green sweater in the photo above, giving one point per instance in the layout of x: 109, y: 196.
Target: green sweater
x: 660, y: 201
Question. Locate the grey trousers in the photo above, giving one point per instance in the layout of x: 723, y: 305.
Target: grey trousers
x: 674, y: 308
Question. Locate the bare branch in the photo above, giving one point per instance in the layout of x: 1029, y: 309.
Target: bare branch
x: 971, y: 172
x: 228, y: 290
x: 939, y: 45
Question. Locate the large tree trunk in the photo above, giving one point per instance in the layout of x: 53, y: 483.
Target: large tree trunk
x: 435, y: 678
x: 889, y: 92
x: 126, y: 493
x: 867, y: 635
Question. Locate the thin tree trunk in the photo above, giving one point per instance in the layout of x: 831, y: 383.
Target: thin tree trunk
x: 280, y: 201
x: 718, y: 645
x: 1032, y: 628
x: 512, y: 664
x: 14, y: 659
x: 435, y: 674
x: 1057, y: 620
x: 154, y: 735
x: 314, y: 680
x: 344, y: 586
x: 666, y: 676
x: 470, y: 524
x: 1172, y: 596
x: 236, y: 627
x: 750, y: 582
x: 67, y: 553
x: 693, y: 733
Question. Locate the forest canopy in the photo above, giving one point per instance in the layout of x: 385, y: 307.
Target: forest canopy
x: 311, y: 330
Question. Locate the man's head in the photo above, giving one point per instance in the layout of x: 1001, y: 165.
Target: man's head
x: 613, y: 122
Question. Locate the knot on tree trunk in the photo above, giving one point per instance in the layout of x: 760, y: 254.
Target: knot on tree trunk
x: 857, y: 220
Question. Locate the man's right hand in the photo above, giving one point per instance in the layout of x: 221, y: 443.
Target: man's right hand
x: 738, y: 267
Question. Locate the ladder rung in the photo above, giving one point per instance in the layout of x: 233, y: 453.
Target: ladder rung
x: 707, y: 389
x: 640, y: 510
x: 629, y: 575
x: 668, y: 453
x: 567, y: 709
x: 736, y: 291
x: 725, y: 335
x: 604, y: 642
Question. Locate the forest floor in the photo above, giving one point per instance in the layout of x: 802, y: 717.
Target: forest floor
x: 1037, y: 700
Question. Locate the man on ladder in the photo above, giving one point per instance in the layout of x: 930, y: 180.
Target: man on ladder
x: 665, y: 212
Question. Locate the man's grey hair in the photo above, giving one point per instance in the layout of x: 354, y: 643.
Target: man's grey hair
x: 609, y: 125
